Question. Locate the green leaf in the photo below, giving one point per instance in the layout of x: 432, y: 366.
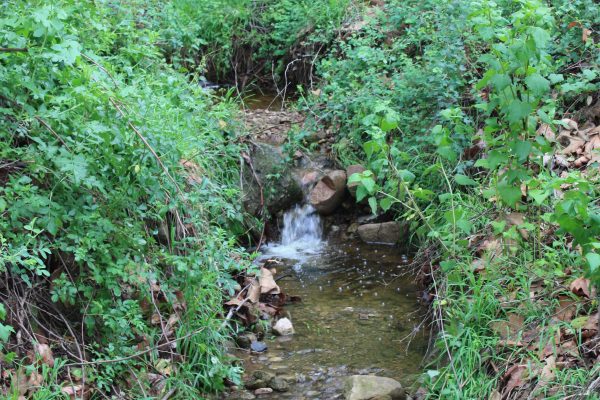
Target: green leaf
x: 510, y: 194
x: 361, y: 193
x: 373, y: 204
x: 555, y: 78
x: 386, y: 203
x: 538, y: 195
x: 593, y: 260
x: 537, y: 84
x: 464, y: 180
x: 521, y: 149
x: 406, y: 175
x: 517, y: 111
x: 2, y: 204
x: 371, y: 147
x: 5, y: 331
x: 368, y: 183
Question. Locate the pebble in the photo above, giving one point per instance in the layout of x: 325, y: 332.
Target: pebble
x: 260, y: 391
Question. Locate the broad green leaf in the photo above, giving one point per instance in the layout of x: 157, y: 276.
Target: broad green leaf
x: 509, y: 193
x: 517, y: 111
x: 406, y: 175
x: 538, y: 195
x: 521, y: 149
x: 593, y: 260
x: 373, y: 204
x: 386, y: 203
x: 464, y: 180
x: 537, y: 84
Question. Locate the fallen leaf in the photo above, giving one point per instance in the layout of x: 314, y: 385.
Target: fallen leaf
x: 44, y: 352
x: 581, y: 287
x: 72, y: 390
x: 571, y: 143
x: 546, y: 131
x: 566, y: 309
x: 584, y: 34
x: 267, y: 283
x: 254, y: 291
x: 495, y: 395
x: 548, y: 372
x: 573, y: 24
x: 515, y: 376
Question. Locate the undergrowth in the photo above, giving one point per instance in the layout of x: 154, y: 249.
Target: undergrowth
x: 448, y: 106
x: 119, y: 209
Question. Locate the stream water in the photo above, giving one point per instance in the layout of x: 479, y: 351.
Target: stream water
x: 358, y: 312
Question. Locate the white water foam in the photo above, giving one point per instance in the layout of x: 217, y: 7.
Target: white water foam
x: 300, y: 237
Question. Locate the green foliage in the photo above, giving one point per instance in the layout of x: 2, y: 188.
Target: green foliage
x: 95, y: 203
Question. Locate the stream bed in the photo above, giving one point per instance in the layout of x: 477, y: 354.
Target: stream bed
x: 358, y: 313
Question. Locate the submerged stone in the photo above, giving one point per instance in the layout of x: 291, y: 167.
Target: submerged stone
x: 386, y: 232
x: 258, y: 347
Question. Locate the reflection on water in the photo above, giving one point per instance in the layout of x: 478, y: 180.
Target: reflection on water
x: 357, y: 315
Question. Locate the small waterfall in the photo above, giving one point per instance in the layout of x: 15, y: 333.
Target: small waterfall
x: 301, y: 224
x: 301, y: 234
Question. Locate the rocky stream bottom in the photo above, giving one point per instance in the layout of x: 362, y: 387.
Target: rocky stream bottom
x: 358, y: 315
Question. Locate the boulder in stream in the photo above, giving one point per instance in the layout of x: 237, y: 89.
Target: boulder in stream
x: 329, y: 192
x: 386, y: 232
x: 366, y: 387
x: 283, y: 327
x: 281, y: 188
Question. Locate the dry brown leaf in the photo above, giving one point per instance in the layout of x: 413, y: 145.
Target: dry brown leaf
x: 72, y: 391
x: 573, y: 24
x: 546, y: 131
x: 508, y: 329
x: 566, y: 309
x: 267, y: 283
x: 585, y: 34
x: 515, y: 376
x: 572, y: 144
x: 548, y: 372
x: 44, y: 352
x: 581, y: 287
x: 254, y: 291
x: 495, y: 395
x: 572, y: 125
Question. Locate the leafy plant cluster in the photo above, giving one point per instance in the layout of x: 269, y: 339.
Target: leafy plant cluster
x: 442, y: 102
x: 118, y: 199
x: 235, y: 39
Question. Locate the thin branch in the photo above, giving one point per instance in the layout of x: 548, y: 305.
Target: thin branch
x: 13, y: 50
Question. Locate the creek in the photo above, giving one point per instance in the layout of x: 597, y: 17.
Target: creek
x: 358, y: 312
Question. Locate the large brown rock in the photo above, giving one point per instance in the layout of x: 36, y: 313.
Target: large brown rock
x: 353, y: 169
x: 329, y: 192
x: 385, y: 232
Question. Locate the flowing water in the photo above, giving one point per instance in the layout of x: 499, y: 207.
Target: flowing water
x: 358, y: 312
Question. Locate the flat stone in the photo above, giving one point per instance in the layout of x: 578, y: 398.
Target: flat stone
x: 366, y: 387
x: 263, y: 391
x: 386, y: 232
x: 258, y: 347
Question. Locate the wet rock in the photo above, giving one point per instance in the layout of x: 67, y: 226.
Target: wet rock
x: 243, y: 395
x: 245, y: 340
x: 283, y: 327
x: 365, y: 387
x: 279, y: 384
x: 387, y: 232
x: 309, y: 178
x: 259, y: 380
x: 258, y: 347
x: 353, y: 169
x: 329, y: 192
x: 260, y: 391
x: 281, y: 190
